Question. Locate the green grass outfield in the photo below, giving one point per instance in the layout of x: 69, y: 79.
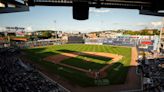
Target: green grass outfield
x: 116, y: 73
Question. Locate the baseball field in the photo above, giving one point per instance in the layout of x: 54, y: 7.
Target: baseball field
x: 84, y: 65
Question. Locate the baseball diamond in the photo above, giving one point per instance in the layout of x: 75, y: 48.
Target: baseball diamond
x: 82, y: 64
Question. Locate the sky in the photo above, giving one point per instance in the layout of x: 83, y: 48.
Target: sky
x: 60, y: 18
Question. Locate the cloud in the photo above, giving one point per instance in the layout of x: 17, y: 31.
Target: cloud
x: 29, y: 29
x: 141, y: 24
x: 2, y: 29
x: 156, y: 24
x: 99, y: 10
x: 130, y: 24
x: 153, y: 24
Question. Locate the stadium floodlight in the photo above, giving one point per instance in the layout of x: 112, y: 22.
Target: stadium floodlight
x: 80, y: 9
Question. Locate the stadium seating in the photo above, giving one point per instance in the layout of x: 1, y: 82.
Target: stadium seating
x: 152, y: 75
x: 15, y: 76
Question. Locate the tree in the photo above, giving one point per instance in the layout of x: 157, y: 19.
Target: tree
x: 143, y: 32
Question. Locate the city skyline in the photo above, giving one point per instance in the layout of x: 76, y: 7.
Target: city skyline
x: 60, y: 18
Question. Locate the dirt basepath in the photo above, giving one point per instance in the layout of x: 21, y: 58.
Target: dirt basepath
x: 57, y: 58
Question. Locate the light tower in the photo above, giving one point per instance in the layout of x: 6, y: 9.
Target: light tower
x: 161, y: 38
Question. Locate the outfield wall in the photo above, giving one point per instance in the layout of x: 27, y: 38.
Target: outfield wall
x: 97, y: 41
x: 111, y: 41
x: 127, y: 40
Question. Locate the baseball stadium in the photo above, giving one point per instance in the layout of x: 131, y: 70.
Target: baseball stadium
x: 97, y: 50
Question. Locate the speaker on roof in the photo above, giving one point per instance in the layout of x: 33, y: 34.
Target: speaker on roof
x: 80, y: 10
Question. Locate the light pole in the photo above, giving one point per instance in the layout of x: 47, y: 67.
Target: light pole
x: 56, y: 30
x: 160, y: 36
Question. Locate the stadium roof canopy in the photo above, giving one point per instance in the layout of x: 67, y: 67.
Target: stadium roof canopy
x: 81, y: 7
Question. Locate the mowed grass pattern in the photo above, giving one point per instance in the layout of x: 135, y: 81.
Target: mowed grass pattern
x: 116, y: 73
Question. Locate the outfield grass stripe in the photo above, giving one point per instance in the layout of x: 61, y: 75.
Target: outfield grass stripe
x: 103, y: 49
x: 108, y: 49
x: 88, y: 48
x: 97, y: 48
x: 85, y: 48
x: 92, y: 48
x: 80, y: 48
